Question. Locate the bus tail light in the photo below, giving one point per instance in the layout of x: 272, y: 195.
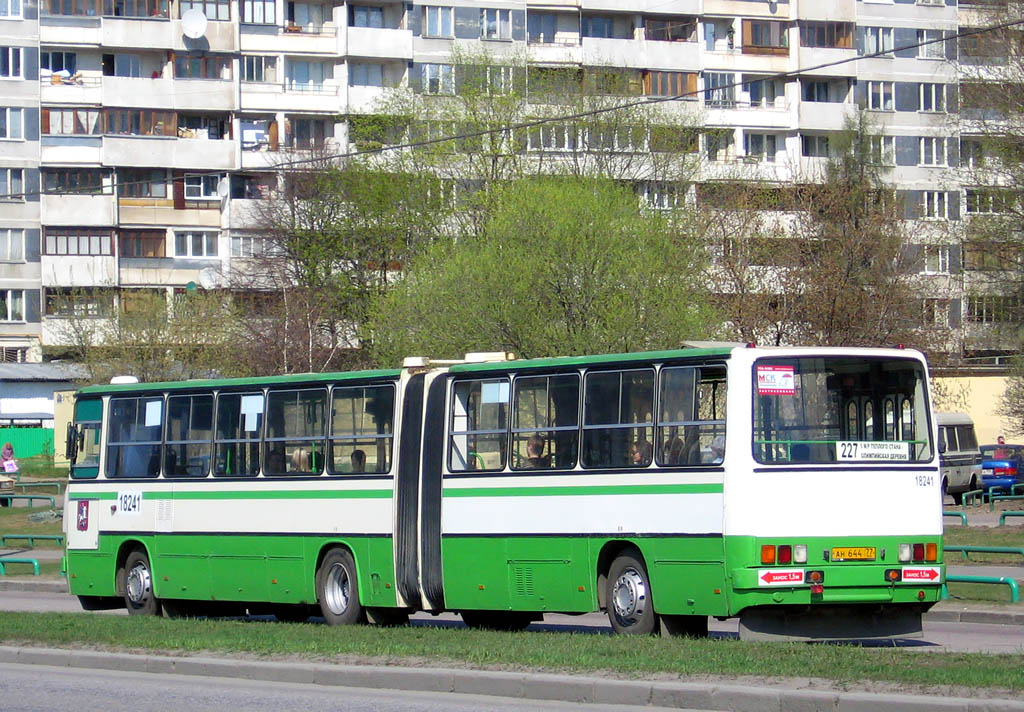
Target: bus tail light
x: 893, y: 575
x: 800, y: 554
x: 918, y: 552
x: 785, y: 554
x: 815, y: 577
x: 931, y: 552
x: 904, y: 552
x: 768, y: 553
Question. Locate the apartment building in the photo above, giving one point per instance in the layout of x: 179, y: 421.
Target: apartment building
x: 137, y: 133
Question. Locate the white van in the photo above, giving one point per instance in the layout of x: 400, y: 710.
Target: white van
x: 959, y: 456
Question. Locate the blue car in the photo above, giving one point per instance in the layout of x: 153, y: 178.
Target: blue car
x: 1002, y: 466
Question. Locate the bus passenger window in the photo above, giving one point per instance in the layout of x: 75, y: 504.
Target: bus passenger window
x: 691, y: 418
x: 239, y: 429
x: 189, y: 432
x: 478, y: 432
x: 545, y: 427
x: 296, y: 430
x: 362, y: 429
x: 618, y: 415
x: 133, y: 448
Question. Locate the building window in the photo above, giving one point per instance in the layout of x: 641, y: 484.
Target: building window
x: 203, y: 127
x: 67, y: 122
x: 438, y: 21
x: 541, y: 27
x: 10, y: 62
x: 765, y: 37
x: 142, y: 183
x: 496, y: 24
x: 78, y: 302
x: 936, y: 259
x: 764, y: 92
x: 438, y: 79
x: 259, y: 12
x: 826, y: 34
x: 308, y: 15
x: 933, y: 151
x: 11, y: 124
x: 933, y: 205
x: 10, y: 8
x: 187, y: 66
x: 58, y: 61
x: 718, y: 145
x: 986, y: 202
x: 933, y: 97
x: 880, y: 96
x: 602, y: 26
x: 936, y: 49
x: 13, y: 354
x: 659, y: 195
x: 681, y: 84
x: 202, y: 187
x: 259, y: 69
x: 12, y: 184
x: 820, y: 91
x: 308, y: 133
x: 670, y: 29
x: 122, y: 65
x: 213, y: 9
x: 882, y: 150
x: 12, y: 245
x: 130, y: 8
x: 77, y: 241
x: 719, y: 89
x: 972, y: 153
x: 761, y: 147
x: 308, y: 76
x: 81, y: 181
x: 88, y: 8
x: 553, y: 137
x: 935, y: 312
x: 877, y: 39
x: 253, y: 246
x: 195, y: 244
x: 143, y: 243
x: 815, y: 146
x: 991, y: 309
x: 136, y: 122
x: 365, y: 16
x: 366, y: 75
x: 12, y: 305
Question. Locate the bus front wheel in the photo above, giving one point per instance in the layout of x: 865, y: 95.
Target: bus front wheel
x: 337, y: 589
x: 138, y: 586
x: 630, y: 606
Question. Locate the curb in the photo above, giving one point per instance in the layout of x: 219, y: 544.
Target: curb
x: 528, y: 686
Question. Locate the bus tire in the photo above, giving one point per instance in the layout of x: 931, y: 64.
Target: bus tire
x: 138, y: 586
x: 337, y: 589
x: 628, y: 595
x: 684, y: 626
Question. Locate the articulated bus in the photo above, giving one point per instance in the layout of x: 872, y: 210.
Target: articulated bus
x: 794, y: 488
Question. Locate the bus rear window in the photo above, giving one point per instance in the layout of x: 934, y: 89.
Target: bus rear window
x: 840, y: 410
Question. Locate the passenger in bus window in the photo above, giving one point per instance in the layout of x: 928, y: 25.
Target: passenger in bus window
x: 358, y: 458
x: 300, y: 460
x: 674, y: 447
x: 275, y: 459
x: 717, y: 449
x: 535, y: 456
x: 642, y: 452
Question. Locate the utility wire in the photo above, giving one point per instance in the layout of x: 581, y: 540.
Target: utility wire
x: 533, y: 123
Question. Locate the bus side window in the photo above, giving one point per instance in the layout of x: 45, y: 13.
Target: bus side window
x: 296, y: 432
x: 545, y: 426
x: 361, y: 429
x: 618, y: 418
x: 478, y: 431
x: 237, y: 438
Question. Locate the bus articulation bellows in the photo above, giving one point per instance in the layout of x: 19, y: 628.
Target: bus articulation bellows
x: 795, y: 488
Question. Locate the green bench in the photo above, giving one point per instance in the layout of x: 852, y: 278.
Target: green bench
x: 4, y: 560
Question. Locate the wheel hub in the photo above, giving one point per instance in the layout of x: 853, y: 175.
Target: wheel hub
x: 337, y: 589
x: 629, y: 596
x: 138, y: 583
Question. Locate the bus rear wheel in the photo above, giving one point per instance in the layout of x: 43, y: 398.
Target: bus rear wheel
x: 337, y: 589
x: 628, y: 593
x: 137, y: 578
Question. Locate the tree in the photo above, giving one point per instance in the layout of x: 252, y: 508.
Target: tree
x: 561, y: 265
x: 823, y: 262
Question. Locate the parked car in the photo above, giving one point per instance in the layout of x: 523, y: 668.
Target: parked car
x: 959, y: 456
x: 6, y: 487
x: 1002, y: 466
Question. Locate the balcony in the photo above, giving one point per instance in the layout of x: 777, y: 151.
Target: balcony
x: 672, y: 55
x: 599, y: 51
x: 373, y: 42
x: 161, y: 212
x: 826, y: 116
x: 84, y: 210
x: 80, y: 91
x: 302, y: 40
x: 69, y: 30
x: 771, y: 115
x: 246, y: 213
x: 79, y: 270
x: 567, y: 51
x: 736, y: 60
x: 834, y: 11
x: 261, y: 96
x: 136, y: 32
x: 179, y: 94
x: 160, y: 152
x: 365, y: 100
x: 318, y: 98
x: 813, y: 56
x: 71, y: 150
x: 147, y: 272
x: 219, y: 37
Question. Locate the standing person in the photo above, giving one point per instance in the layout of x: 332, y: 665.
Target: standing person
x: 7, y: 461
x: 358, y: 458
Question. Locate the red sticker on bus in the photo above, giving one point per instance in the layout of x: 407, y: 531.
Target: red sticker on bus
x: 83, y: 515
x: 776, y: 380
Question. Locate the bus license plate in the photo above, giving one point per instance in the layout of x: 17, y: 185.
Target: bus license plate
x: 853, y: 553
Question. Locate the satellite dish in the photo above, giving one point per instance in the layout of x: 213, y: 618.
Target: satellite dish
x: 223, y: 187
x: 208, y: 277
x: 193, y: 23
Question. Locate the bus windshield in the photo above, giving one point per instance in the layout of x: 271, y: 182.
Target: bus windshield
x: 840, y: 409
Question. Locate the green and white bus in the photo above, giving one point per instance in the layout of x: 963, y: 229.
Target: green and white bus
x: 794, y: 488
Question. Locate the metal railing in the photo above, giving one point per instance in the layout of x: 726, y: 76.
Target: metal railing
x: 965, y: 550
x: 29, y: 497
x: 1014, y: 589
x: 4, y: 560
x: 963, y: 517
x: 31, y: 538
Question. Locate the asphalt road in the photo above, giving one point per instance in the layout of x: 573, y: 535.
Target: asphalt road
x: 947, y: 637
x: 36, y: 688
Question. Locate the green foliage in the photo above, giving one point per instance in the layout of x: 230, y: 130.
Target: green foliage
x: 559, y: 266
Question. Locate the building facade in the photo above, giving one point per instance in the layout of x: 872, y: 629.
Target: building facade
x: 138, y: 134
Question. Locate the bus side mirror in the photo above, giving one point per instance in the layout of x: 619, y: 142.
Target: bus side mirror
x: 71, y: 443
x: 942, y: 448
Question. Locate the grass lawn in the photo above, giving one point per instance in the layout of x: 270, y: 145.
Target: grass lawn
x: 14, y: 520
x: 984, y: 536
x: 606, y: 655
